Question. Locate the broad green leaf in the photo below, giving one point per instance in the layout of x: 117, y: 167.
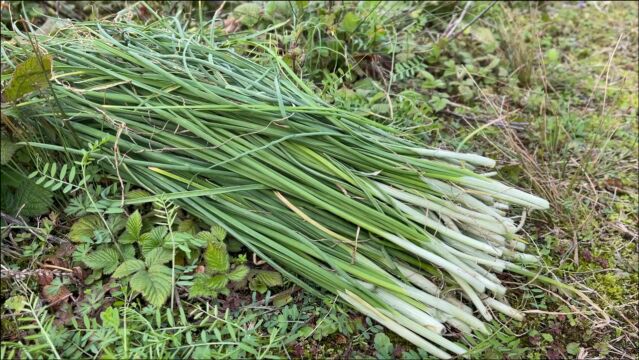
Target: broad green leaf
x: 153, y: 239
x: 202, y: 352
x: 248, y: 13
x: 277, y: 10
x: 16, y: 303
x: 349, y: 22
x: 218, y: 232
x: 106, y: 259
x: 269, y: 278
x: 128, y: 251
x: 128, y: 267
x: 158, y: 256
x: 84, y: 228
x: 218, y: 282
x: 110, y: 318
x: 256, y: 285
x: 573, y: 348
x: 31, y: 75
x: 134, y: 225
x: 154, y: 284
x: 125, y: 237
x: 7, y: 149
x: 136, y: 194
x: 206, y: 236
x: 217, y: 259
x: 239, y: 273
x: 201, y: 286
x: 282, y: 299
x: 188, y: 226
x: 383, y: 345
x: 29, y: 198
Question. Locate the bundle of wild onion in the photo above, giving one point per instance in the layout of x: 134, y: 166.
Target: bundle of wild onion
x: 411, y: 237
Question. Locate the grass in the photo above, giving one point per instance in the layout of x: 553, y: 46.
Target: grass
x: 566, y: 84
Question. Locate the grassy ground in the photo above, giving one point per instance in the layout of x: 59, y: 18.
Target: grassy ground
x: 550, y: 90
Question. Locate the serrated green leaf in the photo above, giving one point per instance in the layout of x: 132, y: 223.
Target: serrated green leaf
x: 256, y: 285
x: 27, y: 198
x: 239, y: 273
x: 136, y: 194
x: 218, y: 232
x: 205, y: 236
x: 128, y: 267
x: 218, y: 282
x: 349, y: 22
x: 153, y: 239
x: 217, y: 259
x: 30, y: 75
x: 154, y: 284
x: 264, y: 279
x: 106, y: 259
x: 573, y: 348
x: 383, y: 344
x: 84, y: 227
x: 188, y: 226
x: 269, y: 278
x: 201, y: 286
x: 126, y: 238
x: 128, y: 251
x: 248, y: 13
x: 7, y: 149
x: 158, y: 256
x: 15, y: 303
x: 134, y: 225
x: 110, y: 318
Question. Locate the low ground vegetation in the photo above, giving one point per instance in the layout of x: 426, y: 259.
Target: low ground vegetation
x: 548, y: 89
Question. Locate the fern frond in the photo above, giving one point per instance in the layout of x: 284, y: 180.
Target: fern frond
x: 37, y: 319
x: 408, y: 69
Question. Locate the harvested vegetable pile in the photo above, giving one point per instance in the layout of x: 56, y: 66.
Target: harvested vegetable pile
x: 410, y: 236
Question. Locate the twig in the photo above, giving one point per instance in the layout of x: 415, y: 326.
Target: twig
x: 16, y: 221
x: 23, y: 274
x: 453, y: 25
x: 474, y: 19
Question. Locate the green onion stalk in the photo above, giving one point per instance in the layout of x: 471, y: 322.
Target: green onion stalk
x: 408, y: 235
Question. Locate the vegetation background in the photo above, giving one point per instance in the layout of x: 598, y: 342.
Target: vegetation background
x: 547, y: 88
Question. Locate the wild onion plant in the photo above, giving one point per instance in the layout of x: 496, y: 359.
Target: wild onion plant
x: 408, y: 235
